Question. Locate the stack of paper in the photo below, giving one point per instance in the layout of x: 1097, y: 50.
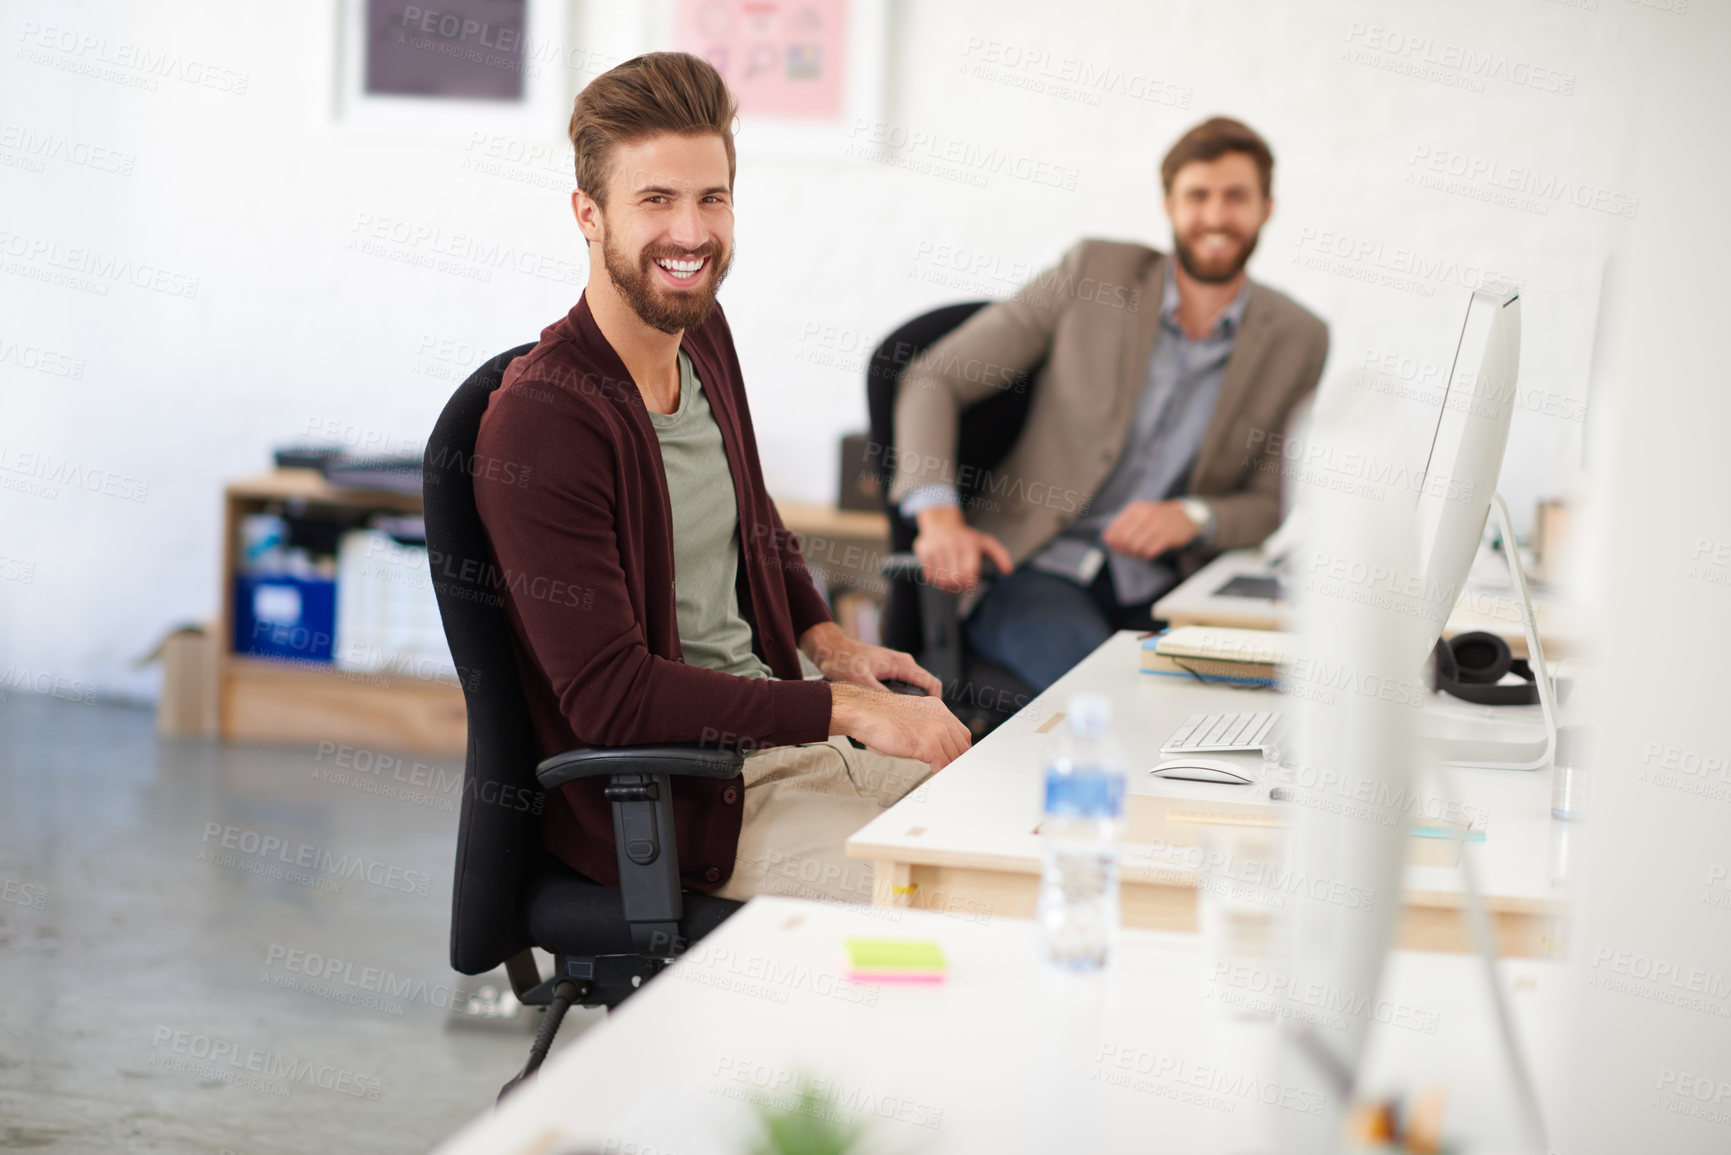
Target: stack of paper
x: 387, y: 617
x: 1217, y: 653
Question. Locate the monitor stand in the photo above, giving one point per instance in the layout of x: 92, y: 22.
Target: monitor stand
x: 1499, y: 737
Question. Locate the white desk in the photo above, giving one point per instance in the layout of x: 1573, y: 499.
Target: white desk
x: 965, y: 841
x: 996, y: 1059
x: 1485, y: 604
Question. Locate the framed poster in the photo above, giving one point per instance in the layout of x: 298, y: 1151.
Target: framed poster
x: 807, y: 73
x: 457, y: 66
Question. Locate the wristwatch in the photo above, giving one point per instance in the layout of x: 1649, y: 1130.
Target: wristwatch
x: 1201, y: 515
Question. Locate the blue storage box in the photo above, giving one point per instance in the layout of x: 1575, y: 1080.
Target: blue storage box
x: 279, y: 616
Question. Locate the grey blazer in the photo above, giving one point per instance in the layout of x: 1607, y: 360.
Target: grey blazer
x: 1094, y: 319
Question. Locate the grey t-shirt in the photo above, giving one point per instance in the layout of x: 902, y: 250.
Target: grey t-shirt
x: 705, y: 534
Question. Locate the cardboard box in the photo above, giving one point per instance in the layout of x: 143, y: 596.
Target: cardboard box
x: 187, y: 707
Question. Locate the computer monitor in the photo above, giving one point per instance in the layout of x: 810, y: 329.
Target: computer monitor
x: 1466, y: 451
x: 1456, y: 494
x: 1365, y: 739
x: 1355, y: 755
x: 1456, y: 497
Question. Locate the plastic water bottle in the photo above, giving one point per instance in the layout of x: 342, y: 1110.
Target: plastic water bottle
x: 1077, y: 915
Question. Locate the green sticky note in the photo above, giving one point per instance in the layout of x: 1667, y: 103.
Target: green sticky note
x: 894, y: 956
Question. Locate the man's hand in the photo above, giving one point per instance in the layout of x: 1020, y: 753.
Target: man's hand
x: 1147, y: 529
x: 845, y: 659
x: 950, y: 549
x: 900, y: 725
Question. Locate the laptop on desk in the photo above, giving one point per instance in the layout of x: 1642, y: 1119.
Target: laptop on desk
x: 1265, y: 587
x: 1239, y: 588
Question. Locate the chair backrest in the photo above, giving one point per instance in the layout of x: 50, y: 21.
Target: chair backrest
x: 985, y: 433
x: 498, y: 833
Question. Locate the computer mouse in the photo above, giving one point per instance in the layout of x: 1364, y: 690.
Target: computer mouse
x: 1203, y: 770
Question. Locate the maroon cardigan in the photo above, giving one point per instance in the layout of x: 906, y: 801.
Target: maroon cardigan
x: 570, y: 487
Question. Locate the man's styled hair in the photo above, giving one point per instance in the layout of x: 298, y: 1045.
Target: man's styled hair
x: 1214, y: 138
x: 647, y: 95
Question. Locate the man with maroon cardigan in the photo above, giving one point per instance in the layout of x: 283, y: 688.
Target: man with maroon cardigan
x: 653, y: 592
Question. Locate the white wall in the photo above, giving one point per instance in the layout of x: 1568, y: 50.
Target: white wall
x: 259, y: 197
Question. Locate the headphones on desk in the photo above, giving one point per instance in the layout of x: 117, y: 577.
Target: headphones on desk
x: 1469, y: 666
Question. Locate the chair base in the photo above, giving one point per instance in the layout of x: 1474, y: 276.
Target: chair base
x: 564, y: 994
x: 600, y: 980
x: 577, y: 981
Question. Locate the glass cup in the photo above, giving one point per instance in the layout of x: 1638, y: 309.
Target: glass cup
x: 1569, y: 775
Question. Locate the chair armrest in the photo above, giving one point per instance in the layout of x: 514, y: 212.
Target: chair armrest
x: 640, y: 793
x: 680, y: 758
x: 940, y: 622
x: 901, y: 565
x: 897, y: 566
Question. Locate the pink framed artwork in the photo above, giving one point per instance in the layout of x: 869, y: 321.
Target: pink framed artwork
x: 785, y: 60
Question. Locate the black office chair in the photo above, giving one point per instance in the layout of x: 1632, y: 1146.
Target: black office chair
x: 510, y: 893
x: 918, y: 617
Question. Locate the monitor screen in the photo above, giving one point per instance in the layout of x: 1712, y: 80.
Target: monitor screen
x: 1466, y: 454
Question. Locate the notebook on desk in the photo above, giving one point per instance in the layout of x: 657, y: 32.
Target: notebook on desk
x: 1218, y: 654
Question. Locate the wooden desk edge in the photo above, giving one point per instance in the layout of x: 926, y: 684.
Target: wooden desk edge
x: 310, y: 485
x: 829, y: 521
x: 901, y: 860
x: 962, y: 859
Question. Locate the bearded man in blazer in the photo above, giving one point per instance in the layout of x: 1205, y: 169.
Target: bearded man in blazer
x: 1148, y: 444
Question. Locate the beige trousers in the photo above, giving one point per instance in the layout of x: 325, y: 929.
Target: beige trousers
x: 801, y: 804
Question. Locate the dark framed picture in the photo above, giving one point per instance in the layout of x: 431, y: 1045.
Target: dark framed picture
x: 446, y: 49
x: 457, y: 67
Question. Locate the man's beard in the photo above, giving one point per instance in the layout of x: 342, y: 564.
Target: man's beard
x: 1215, y: 274
x: 670, y: 313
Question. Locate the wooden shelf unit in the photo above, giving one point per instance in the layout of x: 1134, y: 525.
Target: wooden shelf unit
x: 843, y: 548
x: 275, y: 700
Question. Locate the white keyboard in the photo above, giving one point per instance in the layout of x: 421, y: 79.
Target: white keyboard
x: 1228, y: 733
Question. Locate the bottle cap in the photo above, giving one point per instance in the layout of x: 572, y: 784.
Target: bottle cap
x: 1090, y: 714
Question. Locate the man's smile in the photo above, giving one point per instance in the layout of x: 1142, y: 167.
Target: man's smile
x: 681, y: 270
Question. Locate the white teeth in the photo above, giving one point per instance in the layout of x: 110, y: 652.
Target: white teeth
x: 680, y: 268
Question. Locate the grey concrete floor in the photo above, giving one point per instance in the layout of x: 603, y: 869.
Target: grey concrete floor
x: 161, y: 991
